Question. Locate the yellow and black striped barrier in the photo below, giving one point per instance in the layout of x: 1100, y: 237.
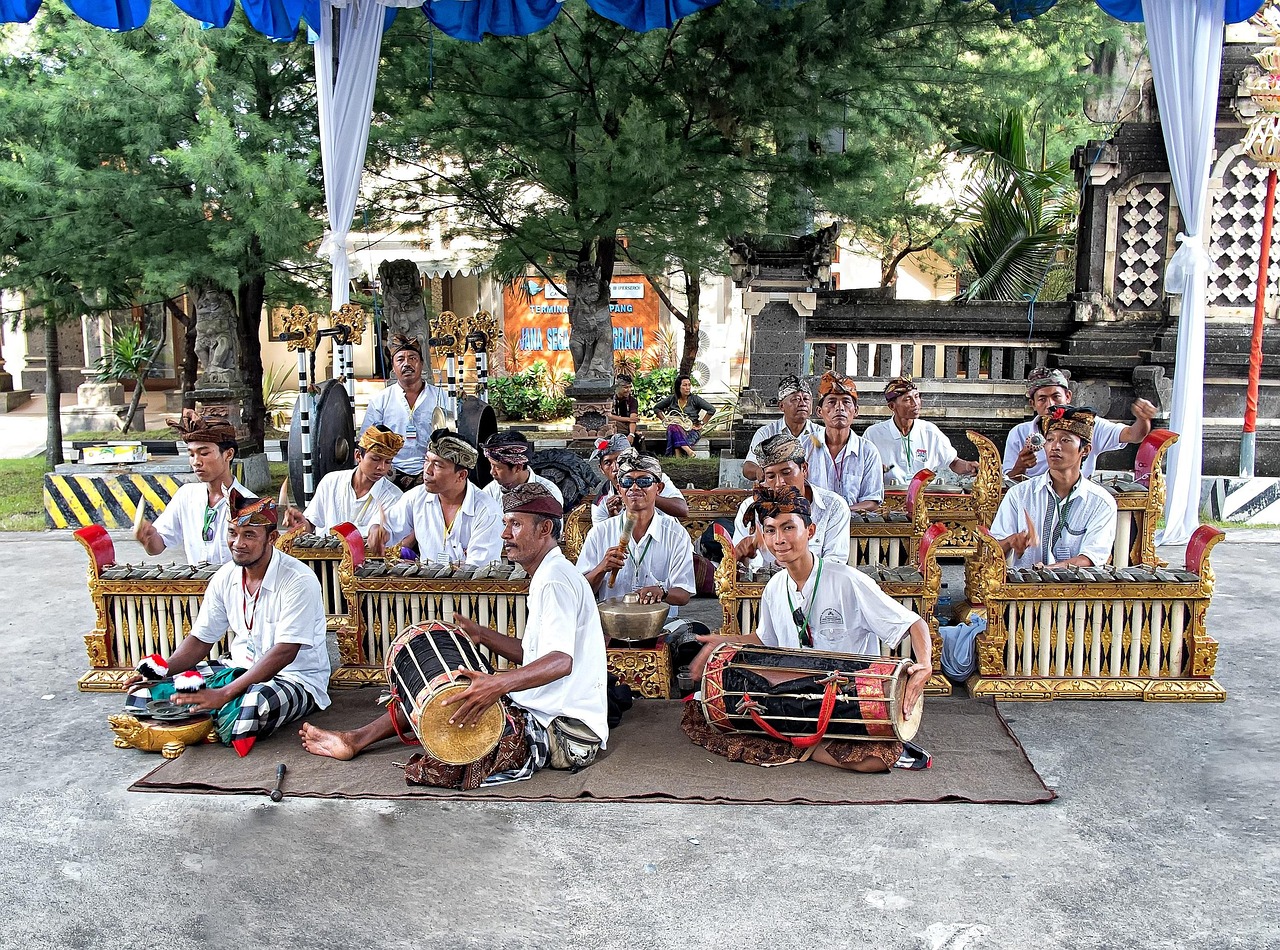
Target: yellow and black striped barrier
x: 109, y: 499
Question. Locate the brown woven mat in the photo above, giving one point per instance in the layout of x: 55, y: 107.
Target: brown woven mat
x: 976, y: 758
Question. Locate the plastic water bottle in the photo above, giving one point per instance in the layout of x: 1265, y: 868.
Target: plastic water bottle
x: 944, y: 604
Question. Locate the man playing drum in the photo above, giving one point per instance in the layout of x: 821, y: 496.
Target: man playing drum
x: 450, y: 519
x: 1046, y: 390
x: 362, y: 496
x: 796, y: 404
x: 1059, y: 517
x: 560, y: 679
x: 196, y: 517
x: 824, y: 604
x: 670, y: 500
x: 406, y: 406
x: 845, y: 463
x: 278, y: 668
x: 654, y: 558
x: 509, y: 454
x: 782, y: 458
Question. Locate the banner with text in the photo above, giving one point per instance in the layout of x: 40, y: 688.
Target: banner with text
x: 536, y: 321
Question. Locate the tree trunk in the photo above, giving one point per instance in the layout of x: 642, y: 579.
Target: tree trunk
x: 52, y: 394
x: 190, y: 362
x: 139, y: 385
x: 690, y: 321
x: 249, y: 306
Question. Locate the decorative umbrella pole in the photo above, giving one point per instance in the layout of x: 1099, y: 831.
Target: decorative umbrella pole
x: 1262, y: 144
x: 302, y: 338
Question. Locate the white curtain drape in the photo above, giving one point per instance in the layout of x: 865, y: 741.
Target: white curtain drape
x: 1184, y: 38
x: 345, y: 107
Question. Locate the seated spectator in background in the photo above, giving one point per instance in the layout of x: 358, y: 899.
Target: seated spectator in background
x: 510, y: 454
x: 626, y: 411
x: 907, y: 443
x: 686, y: 407
x: 670, y: 500
x: 1048, y: 388
x: 362, y: 496
x: 796, y: 403
x: 846, y: 464
x: 447, y: 517
x: 1059, y: 517
x: 655, y: 558
x: 784, y: 466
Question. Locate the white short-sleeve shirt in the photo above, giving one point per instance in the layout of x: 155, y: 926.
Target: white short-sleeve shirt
x: 1083, y: 523
x: 391, y: 409
x: 664, y: 556
x: 183, y: 519
x: 811, y: 437
x: 925, y: 446
x: 600, y: 510
x: 474, y: 538
x: 1106, y: 438
x: 288, y: 609
x: 335, y: 502
x: 494, y: 490
x: 847, y: 613
x: 830, y: 537
x: 854, y: 474
x: 563, y: 618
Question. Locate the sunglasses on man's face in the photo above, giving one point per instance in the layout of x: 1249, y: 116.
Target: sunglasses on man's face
x: 640, y: 481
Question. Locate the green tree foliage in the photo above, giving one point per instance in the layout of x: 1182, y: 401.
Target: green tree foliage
x: 1018, y: 212
x: 130, y: 353
x: 135, y: 165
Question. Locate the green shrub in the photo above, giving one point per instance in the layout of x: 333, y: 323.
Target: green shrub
x: 653, y: 386
x: 532, y: 395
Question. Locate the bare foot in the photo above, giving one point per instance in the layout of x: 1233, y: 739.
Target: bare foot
x: 335, y: 745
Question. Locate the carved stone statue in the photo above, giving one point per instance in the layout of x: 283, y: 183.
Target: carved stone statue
x: 403, y: 312
x: 590, y: 327
x: 217, y: 342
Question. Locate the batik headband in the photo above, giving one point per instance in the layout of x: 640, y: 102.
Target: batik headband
x: 771, y: 503
x: 778, y: 449
x: 899, y: 386
x: 617, y: 443
x: 633, y: 461
x: 1077, y: 420
x: 790, y: 384
x: 400, y: 342
x: 453, y: 448
x: 211, y: 424
x: 533, y: 499
x: 380, y: 441
x: 836, y: 384
x: 507, y: 450
x: 1043, y: 376
x: 246, y: 510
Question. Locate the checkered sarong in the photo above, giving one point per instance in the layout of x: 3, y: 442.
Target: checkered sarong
x: 262, y: 709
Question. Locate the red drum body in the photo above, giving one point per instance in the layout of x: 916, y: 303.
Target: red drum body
x: 421, y: 670
x: 805, y: 696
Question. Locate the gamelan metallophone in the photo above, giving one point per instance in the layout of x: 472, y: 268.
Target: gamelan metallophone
x: 322, y: 553
x: 1095, y: 633
x: 875, y: 538
x: 386, y: 596
x: 141, y: 609
x: 915, y: 587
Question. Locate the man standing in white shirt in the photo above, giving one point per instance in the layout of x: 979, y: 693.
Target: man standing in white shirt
x: 1060, y: 517
x: 654, y: 558
x: 796, y: 404
x: 406, y: 407
x: 822, y: 604
x: 784, y: 466
x: 196, y: 516
x: 558, y: 676
x: 362, y: 496
x: 509, y: 454
x: 449, y: 519
x: 906, y: 443
x: 670, y: 500
x: 1046, y: 390
x: 846, y: 464
x: 278, y: 668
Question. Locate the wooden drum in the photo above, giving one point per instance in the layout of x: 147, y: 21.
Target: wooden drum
x: 421, y: 670
x: 806, y: 696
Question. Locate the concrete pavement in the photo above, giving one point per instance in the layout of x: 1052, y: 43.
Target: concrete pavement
x: 1164, y: 835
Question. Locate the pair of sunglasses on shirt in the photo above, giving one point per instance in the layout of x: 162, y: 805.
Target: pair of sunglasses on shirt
x: 640, y: 481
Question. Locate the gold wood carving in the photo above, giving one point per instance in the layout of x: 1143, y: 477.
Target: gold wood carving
x: 352, y: 317
x: 576, y: 525
x: 448, y: 335
x: 300, y: 328
x: 647, y: 671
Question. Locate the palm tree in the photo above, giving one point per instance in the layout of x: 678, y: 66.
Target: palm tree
x: 1019, y: 212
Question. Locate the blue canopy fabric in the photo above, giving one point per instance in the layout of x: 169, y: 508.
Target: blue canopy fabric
x: 1128, y: 10
x: 462, y: 19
